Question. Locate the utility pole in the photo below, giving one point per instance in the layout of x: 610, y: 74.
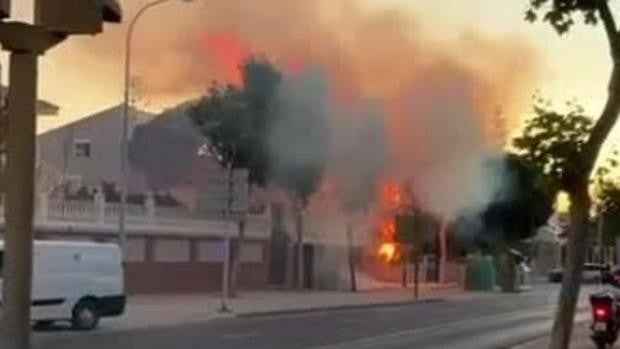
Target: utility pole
x: 25, y: 43
x: 124, y: 171
x: 600, y: 226
x: 443, y: 251
x: 300, y: 244
x: 351, y: 256
x: 228, y: 218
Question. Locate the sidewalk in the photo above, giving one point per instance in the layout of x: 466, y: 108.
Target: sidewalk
x: 165, y: 310
x: 581, y: 340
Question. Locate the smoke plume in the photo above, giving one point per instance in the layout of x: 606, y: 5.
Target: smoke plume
x: 435, y: 99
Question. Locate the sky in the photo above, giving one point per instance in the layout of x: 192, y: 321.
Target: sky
x: 83, y: 78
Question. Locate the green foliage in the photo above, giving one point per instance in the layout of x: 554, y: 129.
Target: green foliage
x: 560, y: 14
x: 608, y: 206
x: 551, y: 140
x: 222, y: 118
x: 262, y: 82
x: 521, y: 207
x: 236, y: 120
x: 608, y: 197
x: 273, y: 130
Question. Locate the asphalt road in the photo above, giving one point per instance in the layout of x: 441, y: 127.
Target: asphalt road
x: 476, y: 322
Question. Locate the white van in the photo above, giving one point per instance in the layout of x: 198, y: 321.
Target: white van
x: 76, y: 281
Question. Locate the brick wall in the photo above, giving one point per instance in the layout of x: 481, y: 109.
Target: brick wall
x: 176, y: 264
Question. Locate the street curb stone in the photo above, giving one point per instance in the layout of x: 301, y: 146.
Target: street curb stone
x: 268, y: 313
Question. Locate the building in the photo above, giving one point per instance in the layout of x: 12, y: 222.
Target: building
x: 179, y: 247
x: 171, y: 247
x: 86, y: 152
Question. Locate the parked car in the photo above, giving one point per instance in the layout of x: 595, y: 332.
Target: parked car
x: 76, y: 281
x: 592, y: 273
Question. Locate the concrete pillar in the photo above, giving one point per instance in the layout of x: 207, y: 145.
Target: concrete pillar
x: 20, y: 199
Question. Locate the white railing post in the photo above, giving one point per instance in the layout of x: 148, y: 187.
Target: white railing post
x: 100, y: 206
x: 149, y: 203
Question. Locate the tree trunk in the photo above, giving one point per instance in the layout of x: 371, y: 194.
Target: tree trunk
x: 405, y: 270
x: 351, y: 255
x: 443, y: 251
x: 416, y: 272
x: 236, y: 262
x: 576, y: 248
x: 300, y: 247
x: 577, y: 176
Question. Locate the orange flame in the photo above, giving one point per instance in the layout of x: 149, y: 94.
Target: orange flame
x: 387, y: 251
x: 229, y: 52
x: 388, y: 231
x: 392, y: 196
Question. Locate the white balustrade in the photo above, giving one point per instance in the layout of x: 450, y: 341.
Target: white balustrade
x: 98, y: 215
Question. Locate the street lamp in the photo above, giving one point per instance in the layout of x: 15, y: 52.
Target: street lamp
x: 122, y: 235
x: 209, y: 150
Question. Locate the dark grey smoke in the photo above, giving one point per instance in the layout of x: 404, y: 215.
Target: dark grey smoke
x: 299, y: 141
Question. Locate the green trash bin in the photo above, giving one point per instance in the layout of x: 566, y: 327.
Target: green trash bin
x: 480, y: 274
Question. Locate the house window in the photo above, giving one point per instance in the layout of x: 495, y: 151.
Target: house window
x: 81, y: 148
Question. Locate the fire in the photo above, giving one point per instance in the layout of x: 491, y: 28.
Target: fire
x: 392, y: 196
x: 387, y: 251
x: 228, y: 52
x: 388, y: 231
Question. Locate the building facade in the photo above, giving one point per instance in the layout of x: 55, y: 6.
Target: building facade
x: 86, y: 152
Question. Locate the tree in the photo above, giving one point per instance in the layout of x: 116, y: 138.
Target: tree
x: 359, y: 157
x: 236, y: 121
x: 299, y: 143
x: 607, y: 204
x: 523, y: 205
x: 560, y: 14
x: 550, y: 139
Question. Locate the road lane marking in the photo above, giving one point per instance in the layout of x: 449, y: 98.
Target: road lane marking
x: 373, y: 341
x: 534, y: 313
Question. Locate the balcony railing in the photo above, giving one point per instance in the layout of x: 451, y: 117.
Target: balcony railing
x: 98, y: 215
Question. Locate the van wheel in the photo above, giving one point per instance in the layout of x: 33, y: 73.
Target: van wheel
x: 85, y: 315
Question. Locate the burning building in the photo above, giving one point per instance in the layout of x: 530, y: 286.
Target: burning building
x: 407, y: 118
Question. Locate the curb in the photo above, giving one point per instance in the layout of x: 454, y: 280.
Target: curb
x: 269, y: 313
